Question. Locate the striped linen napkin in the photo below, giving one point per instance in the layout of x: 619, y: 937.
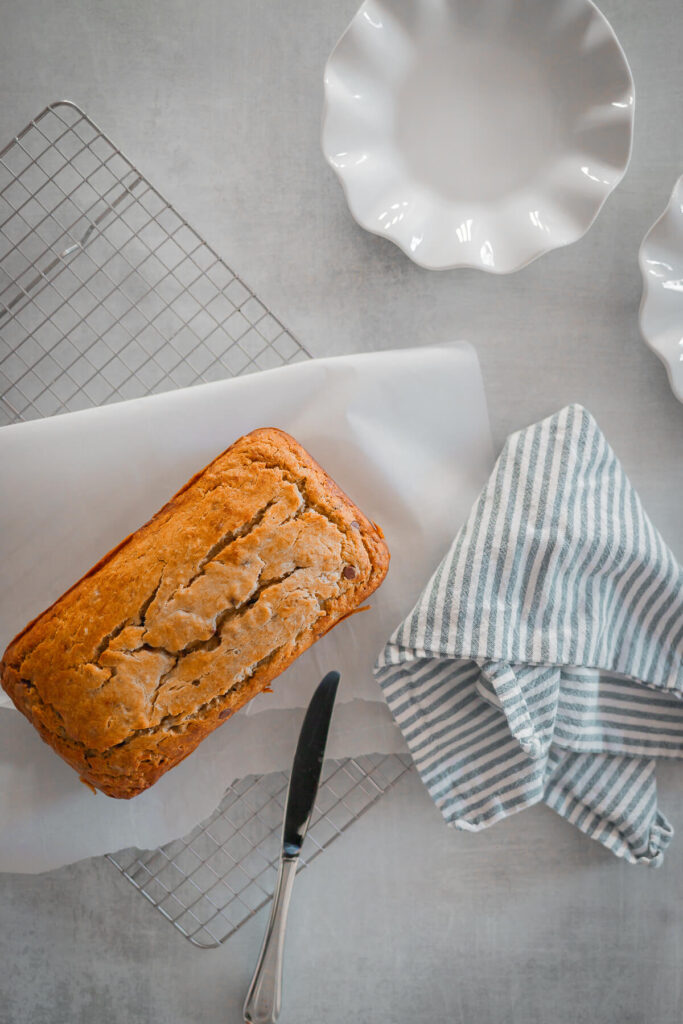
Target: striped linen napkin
x: 544, y: 659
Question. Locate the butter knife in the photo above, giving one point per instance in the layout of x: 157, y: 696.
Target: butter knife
x: 264, y: 998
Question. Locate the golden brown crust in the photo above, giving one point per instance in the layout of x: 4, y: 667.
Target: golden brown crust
x: 191, y: 616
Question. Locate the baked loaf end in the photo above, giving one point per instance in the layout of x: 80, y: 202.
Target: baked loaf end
x: 194, y: 613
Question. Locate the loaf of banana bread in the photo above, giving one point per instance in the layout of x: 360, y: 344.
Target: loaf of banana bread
x: 194, y: 614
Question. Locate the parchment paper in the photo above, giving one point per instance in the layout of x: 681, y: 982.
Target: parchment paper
x: 405, y: 433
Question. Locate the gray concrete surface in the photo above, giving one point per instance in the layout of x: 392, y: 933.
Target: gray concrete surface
x: 402, y: 921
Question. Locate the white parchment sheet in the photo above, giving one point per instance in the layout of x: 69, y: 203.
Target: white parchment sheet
x: 404, y: 433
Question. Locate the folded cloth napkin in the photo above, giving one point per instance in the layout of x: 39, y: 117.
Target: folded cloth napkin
x: 544, y: 659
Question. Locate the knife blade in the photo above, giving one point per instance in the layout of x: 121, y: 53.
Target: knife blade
x: 307, y: 765
x: 264, y: 997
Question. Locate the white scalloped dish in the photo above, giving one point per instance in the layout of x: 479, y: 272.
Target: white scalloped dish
x: 478, y: 133
x: 661, y: 306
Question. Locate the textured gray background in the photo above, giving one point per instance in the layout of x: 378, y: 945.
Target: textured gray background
x: 218, y: 102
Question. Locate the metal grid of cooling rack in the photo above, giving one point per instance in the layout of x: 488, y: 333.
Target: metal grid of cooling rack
x: 212, y: 881
x: 106, y: 292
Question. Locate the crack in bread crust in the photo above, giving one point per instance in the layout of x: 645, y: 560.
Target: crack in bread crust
x: 222, y: 619
x: 227, y: 539
x: 171, y: 723
x: 194, y: 614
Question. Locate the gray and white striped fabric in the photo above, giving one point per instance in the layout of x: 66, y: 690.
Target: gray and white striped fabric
x: 544, y: 659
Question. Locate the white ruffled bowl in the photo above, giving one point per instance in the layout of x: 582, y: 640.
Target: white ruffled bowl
x: 478, y: 133
x: 661, y: 306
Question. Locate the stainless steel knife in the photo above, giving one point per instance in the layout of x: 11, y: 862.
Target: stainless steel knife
x: 264, y: 998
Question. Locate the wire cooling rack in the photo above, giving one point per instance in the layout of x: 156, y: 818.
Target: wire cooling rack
x: 212, y: 881
x: 107, y: 293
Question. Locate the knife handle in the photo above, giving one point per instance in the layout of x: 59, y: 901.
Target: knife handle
x: 262, y: 1005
